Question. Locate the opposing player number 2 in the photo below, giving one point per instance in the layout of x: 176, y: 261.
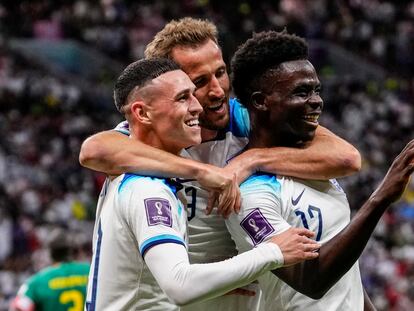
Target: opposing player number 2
x: 72, y: 296
x: 312, y: 212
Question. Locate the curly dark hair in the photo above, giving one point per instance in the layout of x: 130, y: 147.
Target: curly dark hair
x: 138, y: 74
x: 265, y: 50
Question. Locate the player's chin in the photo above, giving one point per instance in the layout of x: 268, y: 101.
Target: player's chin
x: 308, y: 135
x: 306, y: 129
x: 216, y: 123
x: 193, y: 136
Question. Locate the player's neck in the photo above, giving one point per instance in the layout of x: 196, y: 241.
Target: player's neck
x: 207, y: 134
x: 263, y: 138
x: 150, y: 138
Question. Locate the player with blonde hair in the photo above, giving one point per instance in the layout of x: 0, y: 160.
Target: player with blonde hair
x: 193, y: 44
x: 140, y: 258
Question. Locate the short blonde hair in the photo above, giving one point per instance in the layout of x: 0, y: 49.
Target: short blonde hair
x: 183, y: 32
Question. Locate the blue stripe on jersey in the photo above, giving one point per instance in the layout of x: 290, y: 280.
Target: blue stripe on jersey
x: 260, y: 179
x: 127, y: 178
x: 92, y: 304
x: 160, y: 239
x: 123, y: 128
x: 239, y: 119
x: 122, y: 131
x: 174, y: 186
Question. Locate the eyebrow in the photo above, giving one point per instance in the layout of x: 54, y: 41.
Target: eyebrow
x: 183, y: 92
x: 307, y: 85
x: 205, y: 73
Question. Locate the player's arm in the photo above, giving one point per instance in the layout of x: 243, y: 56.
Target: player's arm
x: 153, y: 213
x: 314, y: 278
x: 186, y: 283
x: 327, y: 156
x: 113, y: 153
x: 23, y: 300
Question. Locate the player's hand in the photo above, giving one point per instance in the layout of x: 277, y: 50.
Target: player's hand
x: 296, y: 245
x: 224, y: 190
x: 241, y: 167
x: 398, y: 175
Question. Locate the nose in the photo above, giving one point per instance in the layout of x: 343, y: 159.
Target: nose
x: 315, y: 100
x: 195, y: 107
x: 215, y: 90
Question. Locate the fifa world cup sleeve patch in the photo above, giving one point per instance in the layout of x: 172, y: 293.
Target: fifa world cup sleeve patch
x: 256, y: 226
x: 158, y: 212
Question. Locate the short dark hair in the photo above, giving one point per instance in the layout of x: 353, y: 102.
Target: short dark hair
x: 265, y: 50
x: 60, y: 245
x: 138, y: 74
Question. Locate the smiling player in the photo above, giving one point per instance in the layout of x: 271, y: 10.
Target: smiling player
x: 225, y: 126
x: 140, y: 236
x: 279, y: 86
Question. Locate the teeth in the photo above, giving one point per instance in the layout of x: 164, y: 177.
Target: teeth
x: 192, y: 123
x: 215, y: 106
x: 311, y: 118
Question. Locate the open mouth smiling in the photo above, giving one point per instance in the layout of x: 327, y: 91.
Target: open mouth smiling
x: 312, y: 118
x: 218, y: 106
x: 192, y: 123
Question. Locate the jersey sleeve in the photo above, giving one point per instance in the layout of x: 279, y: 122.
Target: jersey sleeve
x: 122, y: 127
x: 261, y: 214
x: 152, y: 212
x: 25, y: 299
x: 187, y: 283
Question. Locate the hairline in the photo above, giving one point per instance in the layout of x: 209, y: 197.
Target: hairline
x: 138, y: 90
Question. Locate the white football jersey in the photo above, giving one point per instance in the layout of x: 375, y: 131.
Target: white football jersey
x: 271, y: 205
x: 208, y: 237
x: 134, y: 213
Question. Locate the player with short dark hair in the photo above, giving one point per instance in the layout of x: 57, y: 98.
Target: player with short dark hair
x: 140, y: 236
x: 135, y: 76
x: 280, y: 87
x: 193, y: 44
x: 60, y: 287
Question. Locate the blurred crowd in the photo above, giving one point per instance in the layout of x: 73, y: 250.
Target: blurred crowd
x: 382, y: 31
x: 44, y: 119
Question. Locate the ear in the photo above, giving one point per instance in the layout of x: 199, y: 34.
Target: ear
x: 258, y: 100
x: 139, y: 111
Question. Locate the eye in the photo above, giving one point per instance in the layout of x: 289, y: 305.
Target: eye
x: 183, y: 97
x: 301, y: 93
x: 200, y: 82
x: 220, y: 72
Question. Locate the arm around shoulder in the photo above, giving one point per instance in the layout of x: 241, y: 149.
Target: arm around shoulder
x: 344, y: 156
x: 98, y: 152
x: 114, y: 153
x: 327, y: 156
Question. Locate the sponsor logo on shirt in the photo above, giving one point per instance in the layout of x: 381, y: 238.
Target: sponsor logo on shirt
x: 158, y: 212
x: 296, y: 201
x: 256, y: 226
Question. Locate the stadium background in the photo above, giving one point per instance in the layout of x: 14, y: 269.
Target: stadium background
x: 58, y: 60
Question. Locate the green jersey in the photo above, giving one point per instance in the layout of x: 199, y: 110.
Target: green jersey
x: 56, y: 288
